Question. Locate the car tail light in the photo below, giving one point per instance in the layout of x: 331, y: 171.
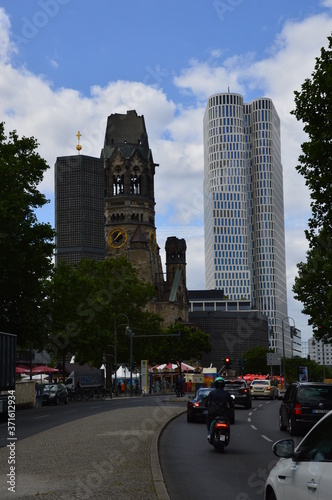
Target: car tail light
x: 243, y: 390
x: 268, y: 388
x: 297, y: 409
x: 195, y: 405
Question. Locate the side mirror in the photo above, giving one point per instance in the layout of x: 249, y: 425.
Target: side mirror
x: 284, y: 448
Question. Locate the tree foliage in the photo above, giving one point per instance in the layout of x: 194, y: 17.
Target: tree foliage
x: 183, y: 344
x: 26, y: 246
x: 316, y: 371
x: 92, y: 299
x: 256, y: 360
x: 314, y: 108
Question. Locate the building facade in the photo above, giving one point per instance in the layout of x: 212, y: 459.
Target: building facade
x: 233, y: 326
x: 320, y: 352
x: 244, y: 208
x: 79, y: 208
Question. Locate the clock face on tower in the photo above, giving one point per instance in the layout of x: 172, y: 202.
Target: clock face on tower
x: 117, y: 237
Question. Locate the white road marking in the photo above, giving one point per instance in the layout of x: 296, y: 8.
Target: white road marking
x: 266, y: 438
x: 253, y: 427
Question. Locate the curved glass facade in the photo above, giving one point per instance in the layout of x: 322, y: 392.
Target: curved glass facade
x: 243, y: 205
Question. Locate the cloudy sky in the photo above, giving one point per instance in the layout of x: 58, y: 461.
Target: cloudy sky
x: 65, y: 65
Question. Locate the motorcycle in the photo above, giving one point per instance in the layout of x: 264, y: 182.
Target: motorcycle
x: 220, y: 434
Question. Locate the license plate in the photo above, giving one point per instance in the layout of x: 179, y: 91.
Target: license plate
x: 320, y: 411
x: 222, y: 437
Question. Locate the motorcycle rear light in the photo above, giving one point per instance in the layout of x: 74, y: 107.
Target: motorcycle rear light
x: 222, y: 425
x: 297, y: 409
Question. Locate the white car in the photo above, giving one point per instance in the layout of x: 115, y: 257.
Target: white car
x: 306, y: 471
x: 263, y: 389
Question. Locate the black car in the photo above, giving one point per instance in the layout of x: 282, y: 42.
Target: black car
x: 304, y: 403
x: 196, y: 409
x: 240, y: 390
x: 54, y: 394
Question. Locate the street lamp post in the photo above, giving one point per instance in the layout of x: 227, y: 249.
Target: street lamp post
x: 107, y: 358
x: 130, y: 332
x: 115, y: 348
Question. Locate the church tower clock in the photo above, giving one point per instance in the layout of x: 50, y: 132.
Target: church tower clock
x: 129, y: 195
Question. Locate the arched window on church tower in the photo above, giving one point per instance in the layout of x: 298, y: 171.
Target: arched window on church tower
x: 118, y: 184
x: 135, y: 182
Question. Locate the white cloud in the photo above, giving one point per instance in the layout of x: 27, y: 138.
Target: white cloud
x: 30, y: 105
x: 327, y: 3
x: 6, y: 47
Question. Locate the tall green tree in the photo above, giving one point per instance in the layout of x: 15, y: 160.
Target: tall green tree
x: 314, y: 108
x: 26, y: 246
x: 89, y: 301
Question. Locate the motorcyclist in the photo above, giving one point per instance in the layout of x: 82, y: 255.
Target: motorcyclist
x: 217, y: 402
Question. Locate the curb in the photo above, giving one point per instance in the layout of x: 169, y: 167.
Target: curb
x: 157, y: 475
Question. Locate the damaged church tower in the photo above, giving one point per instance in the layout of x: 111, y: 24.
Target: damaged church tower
x: 130, y: 228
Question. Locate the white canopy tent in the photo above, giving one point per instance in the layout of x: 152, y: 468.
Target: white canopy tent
x: 122, y: 372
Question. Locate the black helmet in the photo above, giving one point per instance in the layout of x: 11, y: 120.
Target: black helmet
x: 219, y: 383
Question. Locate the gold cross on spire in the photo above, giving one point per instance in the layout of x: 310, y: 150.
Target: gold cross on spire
x: 78, y: 147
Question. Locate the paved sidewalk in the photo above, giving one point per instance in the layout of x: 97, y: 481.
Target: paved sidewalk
x: 111, y: 455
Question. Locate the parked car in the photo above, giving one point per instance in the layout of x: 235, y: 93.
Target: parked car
x: 303, y: 404
x: 304, y: 472
x: 240, y: 390
x: 264, y: 389
x: 54, y: 394
x: 196, y: 409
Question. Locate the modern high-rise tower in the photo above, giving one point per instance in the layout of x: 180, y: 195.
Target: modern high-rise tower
x: 79, y: 208
x: 244, y: 208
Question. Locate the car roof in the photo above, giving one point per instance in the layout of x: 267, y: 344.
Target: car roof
x: 232, y: 381
x: 304, y: 384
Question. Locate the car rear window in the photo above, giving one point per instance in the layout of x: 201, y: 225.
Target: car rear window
x: 236, y: 383
x: 315, y: 393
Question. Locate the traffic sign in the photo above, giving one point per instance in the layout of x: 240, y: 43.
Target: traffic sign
x: 273, y: 358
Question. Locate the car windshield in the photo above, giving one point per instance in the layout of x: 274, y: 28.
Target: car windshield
x: 261, y: 382
x: 50, y: 387
x: 202, y: 393
x: 315, y: 393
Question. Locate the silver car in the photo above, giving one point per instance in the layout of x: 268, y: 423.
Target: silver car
x: 304, y: 472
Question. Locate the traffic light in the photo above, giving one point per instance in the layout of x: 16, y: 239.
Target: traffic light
x: 227, y: 362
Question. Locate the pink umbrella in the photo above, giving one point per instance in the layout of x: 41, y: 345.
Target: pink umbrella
x: 44, y: 369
